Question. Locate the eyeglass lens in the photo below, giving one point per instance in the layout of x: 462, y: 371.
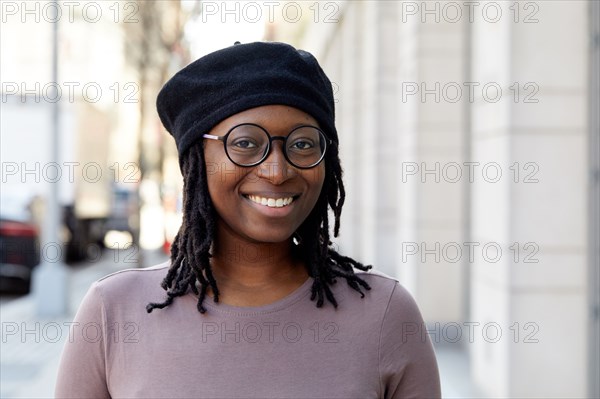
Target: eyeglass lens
x: 248, y: 145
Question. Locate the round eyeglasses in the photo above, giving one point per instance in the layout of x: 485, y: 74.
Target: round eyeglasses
x: 249, y: 144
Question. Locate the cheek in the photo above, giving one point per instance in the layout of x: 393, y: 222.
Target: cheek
x: 213, y: 176
x: 220, y: 172
x: 315, y: 178
x: 221, y: 179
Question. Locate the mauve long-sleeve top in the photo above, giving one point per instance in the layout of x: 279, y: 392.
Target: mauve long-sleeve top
x: 371, y: 347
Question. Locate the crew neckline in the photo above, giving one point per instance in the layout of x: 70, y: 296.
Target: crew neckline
x: 281, y: 304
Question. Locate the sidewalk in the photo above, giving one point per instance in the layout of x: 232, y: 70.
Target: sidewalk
x: 455, y: 372
x: 30, y: 347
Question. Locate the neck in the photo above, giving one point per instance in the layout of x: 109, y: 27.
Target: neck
x: 239, y: 262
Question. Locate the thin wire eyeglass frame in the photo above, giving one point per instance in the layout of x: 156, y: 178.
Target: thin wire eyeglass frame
x: 223, y: 139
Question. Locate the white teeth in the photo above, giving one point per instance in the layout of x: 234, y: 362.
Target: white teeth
x: 271, y: 202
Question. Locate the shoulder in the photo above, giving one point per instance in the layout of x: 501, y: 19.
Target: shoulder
x: 128, y: 283
x: 382, y: 284
x: 386, y: 295
x: 138, y: 275
x: 388, y: 289
x: 407, y: 365
x: 377, y: 277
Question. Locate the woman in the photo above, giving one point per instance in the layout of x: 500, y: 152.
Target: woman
x: 251, y: 308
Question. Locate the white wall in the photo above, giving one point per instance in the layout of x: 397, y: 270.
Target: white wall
x: 539, y: 308
x: 550, y: 134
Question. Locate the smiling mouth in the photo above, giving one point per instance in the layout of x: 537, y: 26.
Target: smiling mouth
x: 271, y: 202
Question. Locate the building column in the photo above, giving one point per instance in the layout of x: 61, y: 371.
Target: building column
x: 529, y: 131
x: 431, y: 258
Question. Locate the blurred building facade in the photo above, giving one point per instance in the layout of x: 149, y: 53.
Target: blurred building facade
x: 112, y: 60
x: 95, y: 93
x: 467, y: 139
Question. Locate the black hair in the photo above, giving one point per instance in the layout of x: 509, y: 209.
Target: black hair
x: 190, y: 251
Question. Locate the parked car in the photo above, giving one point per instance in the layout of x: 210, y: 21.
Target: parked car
x: 19, y: 249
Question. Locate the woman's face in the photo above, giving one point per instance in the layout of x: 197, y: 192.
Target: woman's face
x: 237, y: 192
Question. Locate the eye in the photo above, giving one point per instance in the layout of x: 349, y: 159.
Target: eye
x: 302, y: 145
x: 244, y: 143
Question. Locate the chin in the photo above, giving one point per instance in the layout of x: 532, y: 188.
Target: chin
x: 269, y: 231
x: 270, y: 237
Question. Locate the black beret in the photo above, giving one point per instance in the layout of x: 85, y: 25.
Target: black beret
x: 240, y: 77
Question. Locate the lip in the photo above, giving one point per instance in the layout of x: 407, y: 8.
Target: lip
x: 272, y: 211
x: 273, y: 194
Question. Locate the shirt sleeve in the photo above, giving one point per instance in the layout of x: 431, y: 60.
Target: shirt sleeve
x: 407, y: 363
x: 82, y: 371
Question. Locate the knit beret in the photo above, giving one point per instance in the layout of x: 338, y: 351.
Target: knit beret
x: 240, y: 77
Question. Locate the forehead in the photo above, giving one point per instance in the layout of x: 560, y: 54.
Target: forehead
x: 275, y: 118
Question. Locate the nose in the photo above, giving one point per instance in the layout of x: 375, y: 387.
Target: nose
x: 275, y: 167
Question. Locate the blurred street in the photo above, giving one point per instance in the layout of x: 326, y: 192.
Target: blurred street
x: 30, y: 348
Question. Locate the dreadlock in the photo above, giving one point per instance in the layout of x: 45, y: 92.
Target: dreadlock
x: 190, y: 256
